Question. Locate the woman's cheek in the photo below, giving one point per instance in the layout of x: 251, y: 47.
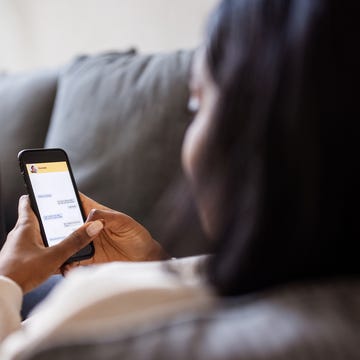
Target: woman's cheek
x: 191, y: 148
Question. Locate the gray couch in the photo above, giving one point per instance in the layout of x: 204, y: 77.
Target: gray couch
x: 121, y: 117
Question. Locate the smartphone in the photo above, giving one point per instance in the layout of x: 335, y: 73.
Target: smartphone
x: 54, y: 196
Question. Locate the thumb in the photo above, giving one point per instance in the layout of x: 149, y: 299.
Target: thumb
x: 76, y: 241
x: 25, y: 212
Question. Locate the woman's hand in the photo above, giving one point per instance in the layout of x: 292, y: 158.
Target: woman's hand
x: 122, y: 239
x: 26, y: 260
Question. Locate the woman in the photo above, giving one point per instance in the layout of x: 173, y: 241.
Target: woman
x: 271, y: 160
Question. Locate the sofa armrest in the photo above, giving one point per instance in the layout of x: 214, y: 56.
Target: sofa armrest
x: 26, y: 104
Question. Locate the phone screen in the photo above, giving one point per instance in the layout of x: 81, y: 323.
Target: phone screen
x: 56, y: 199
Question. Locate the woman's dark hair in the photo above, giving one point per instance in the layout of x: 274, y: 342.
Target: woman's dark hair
x: 283, y: 142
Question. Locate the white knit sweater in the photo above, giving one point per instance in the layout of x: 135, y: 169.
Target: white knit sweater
x: 98, y: 300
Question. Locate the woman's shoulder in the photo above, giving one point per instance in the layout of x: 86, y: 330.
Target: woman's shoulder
x: 120, y: 293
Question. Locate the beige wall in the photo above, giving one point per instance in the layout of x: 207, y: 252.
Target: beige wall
x: 35, y: 33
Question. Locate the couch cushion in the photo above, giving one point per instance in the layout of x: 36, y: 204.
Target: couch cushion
x: 26, y: 102
x: 2, y: 218
x: 121, y: 118
x: 306, y: 322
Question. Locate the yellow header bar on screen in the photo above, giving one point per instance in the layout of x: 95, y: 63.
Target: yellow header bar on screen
x: 42, y: 168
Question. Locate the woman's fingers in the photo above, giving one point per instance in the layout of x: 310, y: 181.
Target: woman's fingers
x: 64, y: 269
x: 75, y: 241
x: 25, y: 213
x: 96, y: 214
x: 89, y: 204
x: 111, y: 217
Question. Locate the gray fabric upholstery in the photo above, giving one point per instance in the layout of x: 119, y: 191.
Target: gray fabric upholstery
x: 2, y: 219
x: 121, y: 118
x: 26, y: 102
x: 311, y: 322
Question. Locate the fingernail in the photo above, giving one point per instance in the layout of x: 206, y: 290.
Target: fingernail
x: 94, y: 228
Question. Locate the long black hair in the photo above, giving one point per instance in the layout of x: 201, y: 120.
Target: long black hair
x: 283, y: 141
